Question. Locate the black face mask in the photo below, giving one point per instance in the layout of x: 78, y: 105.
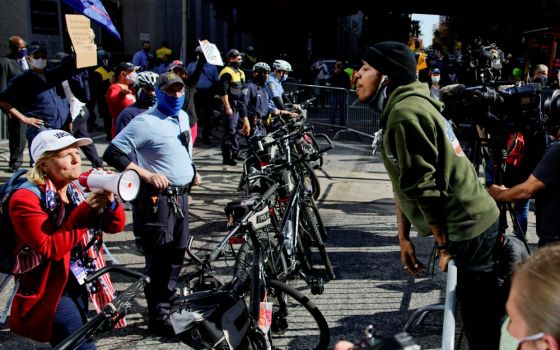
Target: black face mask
x: 259, y: 79
x: 235, y: 64
x: 147, y: 50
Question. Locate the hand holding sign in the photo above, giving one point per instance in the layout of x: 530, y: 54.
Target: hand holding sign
x: 82, y: 37
x: 211, y: 53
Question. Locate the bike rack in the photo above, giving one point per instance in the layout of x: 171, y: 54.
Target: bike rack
x: 448, y: 332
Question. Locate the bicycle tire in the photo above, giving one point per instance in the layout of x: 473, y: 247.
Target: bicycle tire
x: 310, y: 225
x: 310, y: 179
x: 302, y: 328
x: 274, y: 263
x: 316, y: 147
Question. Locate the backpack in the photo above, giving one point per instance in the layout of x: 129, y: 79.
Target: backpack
x: 515, y: 149
x: 7, y: 237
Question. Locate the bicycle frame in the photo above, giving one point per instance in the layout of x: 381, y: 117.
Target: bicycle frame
x: 111, y: 312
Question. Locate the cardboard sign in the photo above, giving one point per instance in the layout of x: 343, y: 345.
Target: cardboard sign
x: 82, y: 36
x: 211, y: 53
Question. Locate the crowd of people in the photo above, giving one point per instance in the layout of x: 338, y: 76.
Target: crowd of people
x: 151, y: 108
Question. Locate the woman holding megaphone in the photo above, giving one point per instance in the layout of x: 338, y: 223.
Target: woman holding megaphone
x: 58, y: 242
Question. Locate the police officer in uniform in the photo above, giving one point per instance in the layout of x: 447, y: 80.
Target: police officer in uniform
x: 160, y: 138
x: 232, y: 79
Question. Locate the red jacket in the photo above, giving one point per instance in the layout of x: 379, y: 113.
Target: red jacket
x: 40, y: 289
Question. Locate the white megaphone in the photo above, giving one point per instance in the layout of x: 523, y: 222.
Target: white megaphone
x: 125, y: 184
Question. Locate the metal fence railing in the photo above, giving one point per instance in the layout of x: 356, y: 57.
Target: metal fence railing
x: 4, y: 150
x: 336, y: 107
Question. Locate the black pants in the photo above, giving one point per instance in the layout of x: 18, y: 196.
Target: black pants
x: 17, y: 141
x: 230, y: 140
x: 203, y: 102
x: 80, y: 129
x: 481, y: 299
x: 163, y: 238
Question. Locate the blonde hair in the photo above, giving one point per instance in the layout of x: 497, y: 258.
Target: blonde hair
x: 539, y: 295
x: 36, y: 174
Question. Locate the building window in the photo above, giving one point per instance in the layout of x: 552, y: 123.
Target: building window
x: 44, y: 17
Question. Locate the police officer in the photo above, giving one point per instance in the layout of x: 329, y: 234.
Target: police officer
x: 161, y: 140
x: 232, y: 79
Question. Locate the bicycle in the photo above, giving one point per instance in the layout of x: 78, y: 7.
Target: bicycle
x: 111, y: 313
x: 295, y: 321
x: 296, y: 215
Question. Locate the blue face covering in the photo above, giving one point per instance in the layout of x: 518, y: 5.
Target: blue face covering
x: 169, y: 105
x: 21, y: 53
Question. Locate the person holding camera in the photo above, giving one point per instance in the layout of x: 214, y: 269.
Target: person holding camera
x: 436, y: 187
x: 58, y: 242
x: 160, y: 138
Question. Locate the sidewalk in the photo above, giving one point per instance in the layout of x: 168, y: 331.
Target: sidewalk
x: 357, y: 207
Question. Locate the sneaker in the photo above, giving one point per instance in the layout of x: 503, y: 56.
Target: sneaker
x: 279, y: 323
x: 229, y: 162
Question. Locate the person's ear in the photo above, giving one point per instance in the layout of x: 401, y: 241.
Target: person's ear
x: 548, y: 342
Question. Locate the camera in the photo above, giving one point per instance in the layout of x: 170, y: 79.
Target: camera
x: 502, y: 107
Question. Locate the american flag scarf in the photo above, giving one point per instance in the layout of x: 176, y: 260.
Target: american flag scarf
x: 101, y: 291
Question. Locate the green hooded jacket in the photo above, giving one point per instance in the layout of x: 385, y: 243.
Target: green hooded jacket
x: 434, y: 182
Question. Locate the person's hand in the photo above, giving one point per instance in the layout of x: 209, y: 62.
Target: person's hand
x: 444, y: 257
x: 197, y: 179
x: 246, y: 128
x: 100, y: 200
x: 290, y: 114
x: 36, y: 122
x: 159, y: 181
x: 408, y: 258
x: 495, y: 190
x: 343, y: 345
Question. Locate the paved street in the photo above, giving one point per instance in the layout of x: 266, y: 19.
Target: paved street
x: 357, y: 207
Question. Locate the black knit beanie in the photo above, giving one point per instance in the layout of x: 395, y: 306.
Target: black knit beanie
x: 393, y: 59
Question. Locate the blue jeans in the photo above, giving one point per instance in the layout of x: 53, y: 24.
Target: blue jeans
x: 70, y: 315
x: 521, y: 213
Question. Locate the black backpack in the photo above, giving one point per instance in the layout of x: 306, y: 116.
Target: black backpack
x: 7, y: 237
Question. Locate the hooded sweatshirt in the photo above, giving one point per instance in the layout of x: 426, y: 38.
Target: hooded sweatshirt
x: 434, y: 182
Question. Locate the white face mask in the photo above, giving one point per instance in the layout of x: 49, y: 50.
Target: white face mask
x: 38, y: 63
x: 435, y: 79
x: 509, y: 342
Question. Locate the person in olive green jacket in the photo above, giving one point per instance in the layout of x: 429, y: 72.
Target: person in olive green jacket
x: 435, y: 186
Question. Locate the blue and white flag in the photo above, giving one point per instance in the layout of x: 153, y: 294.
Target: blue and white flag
x: 94, y: 10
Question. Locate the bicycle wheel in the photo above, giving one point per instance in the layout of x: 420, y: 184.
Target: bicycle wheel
x: 311, y: 232
x: 310, y: 180
x: 274, y: 261
x: 297, y: 323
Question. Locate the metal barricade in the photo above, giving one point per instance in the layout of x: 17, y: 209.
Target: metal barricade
x: 4, y: 149
x: 335, y: 107
x: 448, y: 331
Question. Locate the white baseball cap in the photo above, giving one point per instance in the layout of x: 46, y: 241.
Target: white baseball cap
x: 53, y: 140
